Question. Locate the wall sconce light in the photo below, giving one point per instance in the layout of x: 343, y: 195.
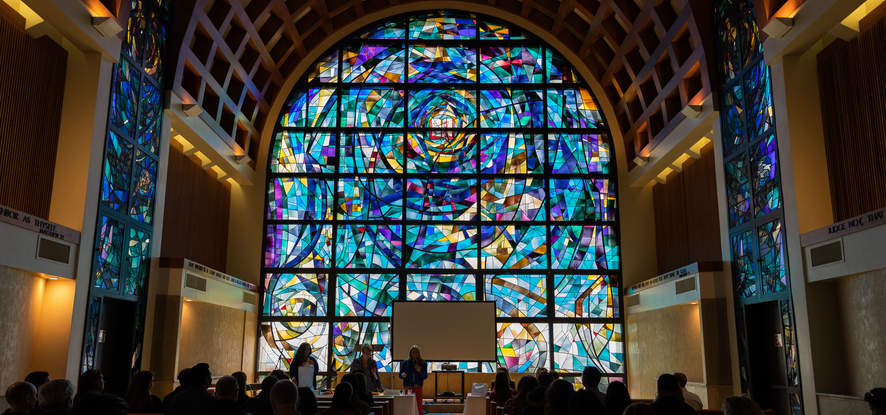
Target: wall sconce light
x: 692, y: 111
x: 641, y: 160
x: 779, y: 26
x: 192, y: 110
x: 107, y: 26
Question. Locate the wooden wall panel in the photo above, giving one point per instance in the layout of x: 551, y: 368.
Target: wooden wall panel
x: 852, y: 84
x: 195, y: 222
x: 32, y: 85
x: 687, y: 224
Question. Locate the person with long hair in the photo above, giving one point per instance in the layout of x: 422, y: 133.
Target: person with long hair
x: 617, y: 398
x: 362, y: 400
x: 342, y: 401
x: 366, y: 365
x: 139, y: 395
x: 414, y: 371
x: 558, y: 398
x: 303, y: 358
x: 520, y: 401
x: 501, y: 391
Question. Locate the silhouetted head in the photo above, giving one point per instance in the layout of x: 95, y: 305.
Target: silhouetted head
x: 267, y: 383
x: 526, y: 385
x: 639, y: 409
x: 200, y: 375
x: 241, y: 382
x: 502, y: 386
x: 876, y: 399
x: 307, y: 402
x: 91, y: 381
x: 343, y: 395
x: 284, y: 397
x: 226, y: 388
x: 558, y: 397
x: 681, y: 379
x: 22, y: 397
x: 590, y: 377
x: 617, y: 395
x: 56, y: 395
x: 545, y: 379
x: 37, y: 379
x: 669, y: 386
x: 740, y: 405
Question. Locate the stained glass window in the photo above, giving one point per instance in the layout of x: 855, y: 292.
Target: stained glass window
x: 443, y: 157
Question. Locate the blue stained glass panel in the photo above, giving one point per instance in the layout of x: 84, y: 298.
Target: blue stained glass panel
x: 370, y: 199
x: 518, y: 295
x: 492, y: 30
x: 584, y: 247
x: 582, y: 199
x: 326, y: 69
x: 372, y: 107
x: 346, y: 336
x: 738, y: 190
x: 108, y: 254
x: 141, y: 197
x: 442, y: 26
x: 441, y: 152
x: 322, y: 107
x: 522, y: 347
x: 573, y: 108
x: 149, y: 116
x: 773, y: 257
x: 559, y: 70
x: 301, y: 152
x: 441, y: 199
x: 503, y: 64
x: 116, y: 172
x: 280, y: 339
x: 441, y: 246
x: 124, y: 97
x: 743, y: 269
x: 758, y: 83
x: 511, y: 108
x: 391, y: 29
x: 441, y: 287
x: 295, y: 198
x: 295, y: 295
x: 579, y: 153
x: 298, y: 246
x: 138, y: 255
x: 513, y: 247
x: 366, y: 295
x: 442, y: 108
x: 295, y: 112
x: 586, y: 296
x: 373, y: 63
x: 577, y: 346
x: 371, y: 152
x: 368, y: 246
x: 515, y: 153
x: 442, y: 64
x: 506, y: 199
x: 733, y: 119
x: 767, y: 184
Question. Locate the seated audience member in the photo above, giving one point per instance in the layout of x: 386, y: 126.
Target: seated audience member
x: 139, y: 396
x: 342, y: 401
x: 558, y: 398
x: 226, y: 389
x: 195, y: 399
x: 670, y: 398
x: 505, y: 370
x: 639, y: 409
x: 182, y: 381
x: 307, y: 402
x: 362, y: 400
x: 279, y: 374
x: 22, y: 398
x: 545, y: 379
x: 241, y: 387
x: 91, y: 398
x: 617, y: 398
x: 876, y: 400
x: 37, y: 379
x: 501, y: 388
x: 740, y: 405
x: 584, y: 402
x: 284, y: 398
x: 690, y: 398
x: 520, y: 401
x: 535, y: 401
x: 590, y: 379
x: 56, y: 397
x: 261, y: 403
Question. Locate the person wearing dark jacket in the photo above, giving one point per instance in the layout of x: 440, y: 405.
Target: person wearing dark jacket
x: 670, y: 397
x: 261, y: 403
x: 194, y: 399
x: 242, y: 397
x: 139, y: 395
x: 413, y: 372
x: 21, y: 397
x: 91, y: 398
x: 182, y: 381
x: 56, y: 397
x: 226, y: 390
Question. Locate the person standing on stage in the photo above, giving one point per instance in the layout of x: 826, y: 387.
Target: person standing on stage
x: 414, y: 371
x: 301, y: 363
x: 366, y: 365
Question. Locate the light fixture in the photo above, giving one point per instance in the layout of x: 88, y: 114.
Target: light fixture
x: 53, y: 278
x: 778, y: 26
x: 188, y: 300
x: 692, y: 111
x: 239, y: 158
x: 641, y: 160
x: 192, y: 110
x: 107, y: 26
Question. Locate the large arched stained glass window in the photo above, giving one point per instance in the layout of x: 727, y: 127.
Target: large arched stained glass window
x: 442, y: 157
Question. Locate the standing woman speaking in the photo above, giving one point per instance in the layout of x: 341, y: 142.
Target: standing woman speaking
x: 414, y: 371
x: 301, y: 365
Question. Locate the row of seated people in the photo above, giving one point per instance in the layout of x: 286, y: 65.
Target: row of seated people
x: 543, y: 394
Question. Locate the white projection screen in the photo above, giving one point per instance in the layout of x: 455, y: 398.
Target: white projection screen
x: 446, y: 331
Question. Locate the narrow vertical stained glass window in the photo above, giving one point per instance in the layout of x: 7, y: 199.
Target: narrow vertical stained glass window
x: 443, y: 156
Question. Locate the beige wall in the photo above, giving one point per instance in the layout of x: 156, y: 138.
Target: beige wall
x: 663, y: 341
x: 35, y: 319
x: 216, y: 335
x: 862, y: 300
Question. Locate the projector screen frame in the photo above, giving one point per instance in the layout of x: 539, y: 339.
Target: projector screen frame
x: 494, y: 332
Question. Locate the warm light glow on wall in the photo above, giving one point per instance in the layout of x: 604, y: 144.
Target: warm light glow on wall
x: 788, y: 9
x: 31, y: 17
x: 97, y: 9
x: 852, y: 21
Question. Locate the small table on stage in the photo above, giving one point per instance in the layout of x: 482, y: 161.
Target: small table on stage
x: 460, y: 396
